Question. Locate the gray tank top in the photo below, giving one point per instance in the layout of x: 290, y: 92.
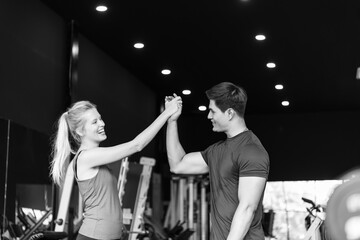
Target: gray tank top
x: 102, y: 210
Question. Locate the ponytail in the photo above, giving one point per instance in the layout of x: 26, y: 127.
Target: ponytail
x: 67, y: 141
x: 61, y: 150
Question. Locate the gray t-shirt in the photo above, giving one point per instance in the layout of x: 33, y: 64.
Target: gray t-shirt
x: 239, y: 156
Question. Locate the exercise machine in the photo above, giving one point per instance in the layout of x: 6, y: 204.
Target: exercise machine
x: 314, y: 221
x: 189, y: 205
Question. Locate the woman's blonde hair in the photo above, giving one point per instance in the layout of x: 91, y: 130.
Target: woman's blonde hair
x: 66, y: 140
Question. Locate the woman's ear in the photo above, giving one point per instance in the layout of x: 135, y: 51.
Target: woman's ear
x: 80, y: 132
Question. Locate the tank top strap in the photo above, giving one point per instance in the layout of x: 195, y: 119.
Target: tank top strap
x: 75, y: 164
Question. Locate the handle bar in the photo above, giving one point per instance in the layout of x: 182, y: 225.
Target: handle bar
x: 308, y: 201
x: 314, y: 206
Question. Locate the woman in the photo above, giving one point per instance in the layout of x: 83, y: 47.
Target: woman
x: 80, y: 132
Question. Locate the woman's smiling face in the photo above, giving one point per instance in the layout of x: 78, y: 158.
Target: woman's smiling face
x: 94, y: 127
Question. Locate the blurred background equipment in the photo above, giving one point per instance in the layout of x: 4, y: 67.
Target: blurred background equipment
x: 343, y: 211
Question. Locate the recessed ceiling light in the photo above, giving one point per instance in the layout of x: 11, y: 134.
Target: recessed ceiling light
x: 202, y: 108
x: 166, y: 71
x: 285, y: 103
x: 358, y: 73
x: 75, y: 49
x: 101, y: 8
x: 260, y: 37
x: 279, y: 86
x: 271, y: 65
x: 138, y: 45
x: 186, y: 92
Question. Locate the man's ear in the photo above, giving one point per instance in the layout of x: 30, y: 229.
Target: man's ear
x: 230, y: 113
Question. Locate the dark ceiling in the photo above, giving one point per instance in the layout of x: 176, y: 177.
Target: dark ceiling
x: 315, y: 45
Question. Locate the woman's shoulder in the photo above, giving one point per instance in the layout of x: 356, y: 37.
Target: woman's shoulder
x: 84, y: 171
x: 84, y: 154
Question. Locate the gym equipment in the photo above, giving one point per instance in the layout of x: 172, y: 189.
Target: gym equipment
x: 313, y: 220
x: 187, y: 205
x: 268, y: 223
x: 48, y: 235
x: 31, y: 231
x: 134, y: 176
x: 29, y: 228
x: 62, y: 216
x: 124, y: 168
x: 6, y: 175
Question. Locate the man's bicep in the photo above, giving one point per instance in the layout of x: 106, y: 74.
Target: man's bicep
x: 251, y: 189
x: 192, y: 163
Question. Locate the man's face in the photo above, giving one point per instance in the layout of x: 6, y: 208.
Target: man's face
x: 218, y: 118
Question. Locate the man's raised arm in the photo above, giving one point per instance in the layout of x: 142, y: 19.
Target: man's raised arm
x: 179, y: 161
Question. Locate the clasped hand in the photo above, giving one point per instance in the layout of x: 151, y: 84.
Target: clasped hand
x: 174, y: 102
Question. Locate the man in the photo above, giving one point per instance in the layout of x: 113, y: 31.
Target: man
x: 238, y: 166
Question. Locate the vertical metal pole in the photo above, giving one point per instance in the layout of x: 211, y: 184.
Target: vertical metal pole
x: 196, y: 211
x: 204, y: 212
x: 181, y: 198
x: 6, y: 173
x: 191, y: 203
x: 173, y: 201
x: 54, y: 204
x: 73, y: 62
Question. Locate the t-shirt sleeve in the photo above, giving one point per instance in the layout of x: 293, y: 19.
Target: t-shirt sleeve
x: 204, y: 154
x: 208, y: 152
x: 253, y: 162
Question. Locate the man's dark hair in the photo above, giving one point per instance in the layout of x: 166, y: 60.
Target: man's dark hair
x: 228, y: 95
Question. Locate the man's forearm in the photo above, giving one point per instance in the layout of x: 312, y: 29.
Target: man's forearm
x: 175, y: 151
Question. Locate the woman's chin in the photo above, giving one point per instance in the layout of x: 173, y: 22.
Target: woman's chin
x: 103, y: 137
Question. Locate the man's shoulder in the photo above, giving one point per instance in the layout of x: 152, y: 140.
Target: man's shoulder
x: 252, y: 142
x: 212, y: 150
x: 253, y: 149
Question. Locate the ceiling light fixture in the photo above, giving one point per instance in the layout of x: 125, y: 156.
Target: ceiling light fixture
x: 285, y: 103
x: 101, y: 8
x: 75, y: 48
x: 166, y: 72
x: 138, y: 45
x: 202, y: 108
x: 358, y: 73
x: 260, y: 37
x: 186, y: 92
x: 271, y: 65
x: 279, y: 86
